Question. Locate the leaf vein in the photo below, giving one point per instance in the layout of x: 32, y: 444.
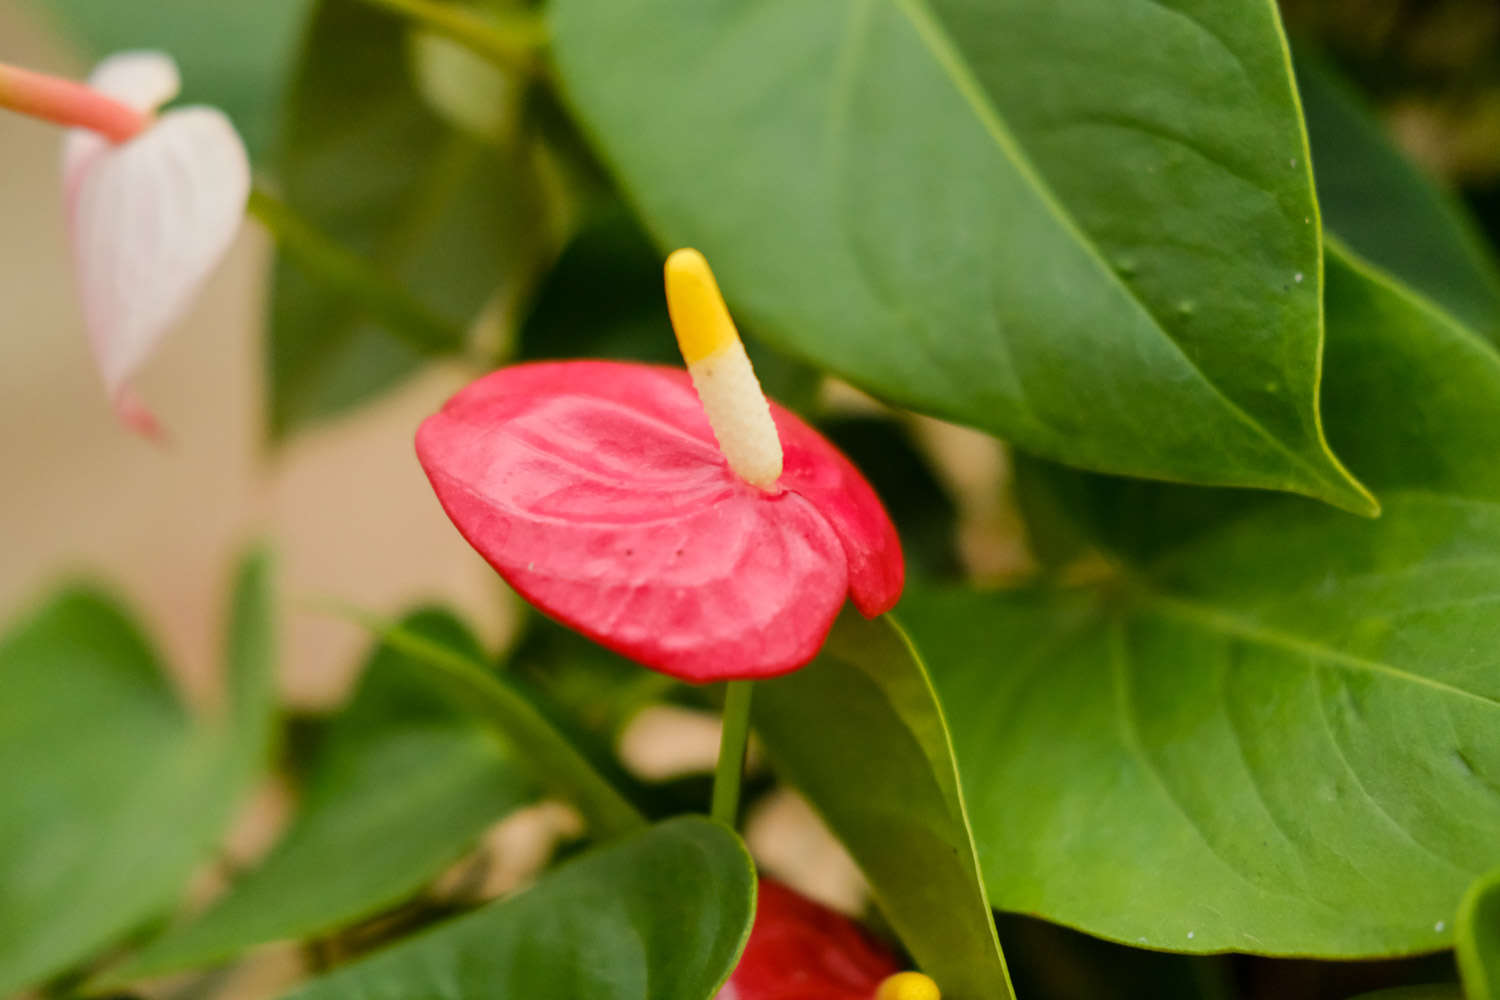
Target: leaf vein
x: 1214, y: 619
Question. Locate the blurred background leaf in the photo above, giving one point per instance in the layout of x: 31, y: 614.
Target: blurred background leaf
x: 543, y: 747
x: 458, y: 221
x: 403, y: 782
x: 599, y: 689
x: 1387, y: 209
x: 605, y: 298
x: 112, y: 792
x: 470, y: 92
x: 1427, y: 69
x: 234, y: 56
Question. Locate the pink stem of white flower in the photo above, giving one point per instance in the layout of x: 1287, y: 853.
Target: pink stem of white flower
x: 66, y: 102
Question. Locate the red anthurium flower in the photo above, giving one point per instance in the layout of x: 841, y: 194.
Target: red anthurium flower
x: 802, y: 950
x: 710, y: 535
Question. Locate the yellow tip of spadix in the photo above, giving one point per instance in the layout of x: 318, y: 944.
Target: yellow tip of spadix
x: 908, y: 986
x: 699, y: 316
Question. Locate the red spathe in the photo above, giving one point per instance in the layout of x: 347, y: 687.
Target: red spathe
x: 597, y: 490
x: 802, y: 950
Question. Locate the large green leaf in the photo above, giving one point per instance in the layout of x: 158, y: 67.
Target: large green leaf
x: 659, y: 915
x: 371, y: 166
x: 111, y: 791
x: 403, y: 784
x: 1275, y: 732
x: 1088, y: 227
x: 1408, y: 398
x: 233, y: 56
x: 861, y: 734
x: 1478, y: 939
x: 1386, y: 209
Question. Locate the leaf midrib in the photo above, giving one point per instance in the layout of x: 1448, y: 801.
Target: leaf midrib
x: 1217, y: 620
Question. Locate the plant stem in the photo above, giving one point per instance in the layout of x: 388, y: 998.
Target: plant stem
x: 390, y: 304
x: 732, y: 742
x: 512, y: 41
x: 64, y: 102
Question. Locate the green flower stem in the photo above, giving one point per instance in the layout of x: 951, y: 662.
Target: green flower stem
x: 512, y: 41
x: 732, y: 742
x: 387, y: 302
x: 556, y: 762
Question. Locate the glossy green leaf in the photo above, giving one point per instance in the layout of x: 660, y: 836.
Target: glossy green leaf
x: 368, y: 164
x: 860, y: 733
x: 112, y: 793
x: 659, y: 915
x: 1437, y: 991
x: 233, y: 56
x: 403, y: 784
x: 1086, y: 227
x: 1478, y: 939
x: 1387, y: 210
x: 1276, y: 732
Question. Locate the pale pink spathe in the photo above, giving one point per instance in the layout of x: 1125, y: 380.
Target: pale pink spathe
x: 149, y: 219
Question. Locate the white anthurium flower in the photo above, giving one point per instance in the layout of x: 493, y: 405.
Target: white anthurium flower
x: 149, y: 217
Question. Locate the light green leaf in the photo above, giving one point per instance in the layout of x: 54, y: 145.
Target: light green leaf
x: 1276, y: 731
x: 659, y: 915
x: 1387, y: 210
x: 370, y: 166
x: 1087, y: 227
x: 112, y: 792
x: 859, y: 731
x: 233, y: 56
x: 1478, y: 938
x: 404, y: 783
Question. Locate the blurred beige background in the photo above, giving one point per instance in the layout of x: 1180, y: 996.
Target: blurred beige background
x: 346, y: 507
